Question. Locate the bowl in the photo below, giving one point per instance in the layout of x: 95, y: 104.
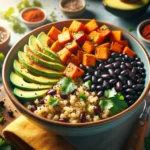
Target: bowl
x: 4, y: 38
x: 33, y: 16
x: 140, y: 28
x: 79, y: 129
x: 72, y: 8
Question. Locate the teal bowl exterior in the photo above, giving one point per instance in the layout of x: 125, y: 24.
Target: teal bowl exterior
x: 82, y: 129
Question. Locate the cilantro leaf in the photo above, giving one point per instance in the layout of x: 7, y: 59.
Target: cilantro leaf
x: 88, y: 84
x: 4, y: 145
x: 114, y: 102
x: 147, y: 142
x: 37, y: 3
x: 23, y: 4
x: 110, y: 93
x: 67, y: 86
x: 53, y: 101
x: 8, y: 13
x: 82, y: 97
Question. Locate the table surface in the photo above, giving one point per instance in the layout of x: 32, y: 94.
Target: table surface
x: 94, y: 10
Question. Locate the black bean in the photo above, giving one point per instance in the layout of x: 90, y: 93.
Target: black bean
x: 97, y: 110
x: 63, y: 96
x: 87, y: 74
x: 101, y: 66
x: 140, y: 86
x: 100, y: 80
x: 140, y: 69
x: 137, y: 59
x: 114, y: 55
x: 122, y: 79
x: 118, y: 86
x: 125, y: 72
x: 100, y: 93
x: 139, y: 93
x: 118, y: 59
x: 125, y: 86
x: 141, y: 80
x: 33, y: 108
x: 135, y: 87
x: 97, y: 73
x: 129, y: 83
x: 112, y: 81
x: 105, y: 84
x: 138, y: 76
x: 122, y: 67
x: 89, y: 69
x: 63, y: 120
x: 128, y: 65
x: 99, y: 87
x: 51, y: 92
x: 93, y: 79
x: 131, y: 102
x: 132, y: 75
x: 116, y: 64
x: 11, y: 113
x: 143, y: 74
x: 140, y: 63
x: 86, y: 78
x: 129, y: 97
x: 130, y: 91
x: 117, y: 71
x: 133, y: 63
x: 120, y: 55
x: 82, y: 67
x: 110, y: 60
x: 108, y: 66
x: 93, y: 87
x: 99, y: 61
x: 82, y: 117
x: 111, y: 72
x: 134, y: 69
x: 105, y: 76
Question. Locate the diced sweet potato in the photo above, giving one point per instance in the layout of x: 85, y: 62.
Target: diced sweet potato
x: 116, y: 35
x: 104, y: 31
x: 80, y: 55
x: 116, y: 47
x: 128, y: 51
x: 96, y: 37
x: 124, y: 42
x: 107, y: 44
x: 102, y: 53
x: 76, y: 26
x: 88, y: 47
x: 50, y: 42
x: 64, y: 37
x: 89, y: 60
x: 91, y: 26
x: 65, y: 29
x: 74, y: 59
x: 56, y: 46
x: 80, y: 37
x: 53, y: 33
x: 64, y: 54
x: 73, y: 71
x: 72, y: 46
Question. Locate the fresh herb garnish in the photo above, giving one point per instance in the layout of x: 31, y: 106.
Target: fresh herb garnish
x: 67, y: 86
x: 4, y: 145
x: 113, y: 101
x: 82, y: 97
x: 87, y: 84
x: 53, y: 17
x: 53, y: 101
x: 131, y: 29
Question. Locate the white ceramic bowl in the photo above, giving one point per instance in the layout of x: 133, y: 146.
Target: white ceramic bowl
x: 33, y: 24
x: 143, y: 40
x: 72, y: 13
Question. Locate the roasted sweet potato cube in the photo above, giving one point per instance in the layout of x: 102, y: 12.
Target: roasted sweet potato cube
x: 96, y: 37
x: 64, y: 37
x: 104, y: 31
x: 50, y: 42
x: 128, y: 51
x: 73, y: 71
x: 116, y: 47
x: 107, y: 44
x: 53, y: 33
x: 72, y: 46
x: 74, y: 59
x: 88, y: 47
x: 56, y: 46
x: 124, y: 42
x: 76, y: 26
x: 64, y: 55
x: 116, y: 35
x: 65, y: 29
x: 89, y: 60
x: 102, y: 53
x: 91, y: 26
x: 80, y: 55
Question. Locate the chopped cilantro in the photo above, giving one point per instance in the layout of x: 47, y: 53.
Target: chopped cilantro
x: 82, y: 97
x: 53, y: 101
x: 87, y: 84
x: 113, y: 101
x: 130, y: 29
x: 147, y: 142
x: 53, y: 17
x: 1, y: 120
x: 67, y: 86
x: 4, y: 145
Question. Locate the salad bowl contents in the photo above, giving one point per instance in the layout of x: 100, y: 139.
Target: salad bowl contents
x: 76, y: 73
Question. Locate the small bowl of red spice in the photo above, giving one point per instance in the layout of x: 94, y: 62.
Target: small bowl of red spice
x: 72, y: 8
x: 33, y: 16
x: 143, y: 32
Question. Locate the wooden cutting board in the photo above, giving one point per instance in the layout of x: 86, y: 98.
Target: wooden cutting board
x: 7, y: 106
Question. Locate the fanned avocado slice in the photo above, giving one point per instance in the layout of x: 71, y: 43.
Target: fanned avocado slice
x: 29, y: 95
x: 45, y: 63
x: 36, y: 68
x: 42, y: 41
x: 35, y: 49
x: 22, y: 71
x: 20, y: 83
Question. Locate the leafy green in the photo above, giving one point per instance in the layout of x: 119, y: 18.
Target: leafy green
x: 131, y: 29
x: 113, y: 101
x: 53, y: 101
x: 1, y: 58
x: 52, y: 16
x: 4, y: 145
x: 37, y: 3
x: 1, y: 120
x: 8, y: 13
x: 67, y: 86
x: 82, y: 97
x: 88, y: 84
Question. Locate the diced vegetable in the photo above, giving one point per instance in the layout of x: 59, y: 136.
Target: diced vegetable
x: 53, y: 33
x: 89, y: 60
x: 64, y: 54
x: 102, y: 53
x: 50, y: 42
x: 124, y: 42
x: 74, y: 59
x: 91, y: 26
x: 104, y: 31
x: 56, y: 46
x: 80, y: 55
x: 65, y: 29
x: 128, y: 51
x: 76, y: 26
x: 72, y: 46
x: 107, y: 44
x: 116, y: 47
x: 116, y: 35
x: 88, y: 47
x: 73, y: 71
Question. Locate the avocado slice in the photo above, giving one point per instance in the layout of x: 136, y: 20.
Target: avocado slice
x: 36, y: 50
x: 36, y: 68
x: 21, y: 83
x: 45, y: 63
x: 29, y: 95
x: 42, y: 41
x: 124, y: 9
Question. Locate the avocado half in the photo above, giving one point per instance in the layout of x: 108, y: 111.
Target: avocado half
x: 124, y: 9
